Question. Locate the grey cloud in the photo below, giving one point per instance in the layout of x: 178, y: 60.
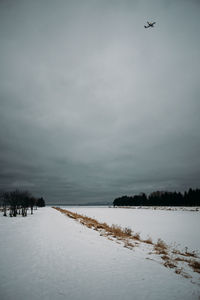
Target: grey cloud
x: 92, y: 104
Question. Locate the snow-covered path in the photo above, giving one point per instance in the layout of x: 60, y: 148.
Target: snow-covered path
x: 49, y: 256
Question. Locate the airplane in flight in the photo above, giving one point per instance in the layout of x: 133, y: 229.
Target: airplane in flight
x: 150, y: 24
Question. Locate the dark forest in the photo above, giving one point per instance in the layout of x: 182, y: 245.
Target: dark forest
x: 161, y: 198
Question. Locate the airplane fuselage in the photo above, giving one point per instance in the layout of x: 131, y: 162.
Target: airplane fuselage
x: 149, y: 24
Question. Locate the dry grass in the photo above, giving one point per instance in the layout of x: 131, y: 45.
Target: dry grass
x: 161, y: 252
x: 161, y: 247
x: 106, y: 230
x: 182, y: 259
x: 165, y: 257
x: 125, y: 235
x: 128, y: 244
x: 116, y: 231
x: 148, y: 241
x: 178, y: 271
x: 186, y: 253
x: 169, y: 264
x: 136, y: 236
x: 190, y: 254
x: 128, y: 231
x: 195, y: 265
x: 175, y: 251
x: 161, y: 244
x: 181, y: 272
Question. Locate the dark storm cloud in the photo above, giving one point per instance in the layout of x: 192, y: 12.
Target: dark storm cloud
x: 93, y: 105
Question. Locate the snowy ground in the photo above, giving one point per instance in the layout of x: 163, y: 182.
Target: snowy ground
x: 50, y: 256
x: 174, y: 227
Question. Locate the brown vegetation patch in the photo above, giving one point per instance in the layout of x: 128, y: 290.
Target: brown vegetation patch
x: 161, y: 252
x: 182, y: 259
x: 175, y: 251
x: 160, y: 244
x: 117, y: 233
x: 136, y: 236
x: 165, y: 257
x: 160, y: 247
x: 186, y: 253
x: 195, y: 265
x: 178, y: 271
x: 128, y: 244
x: 148, y: 241
x: 128, y: 231
x: 169, y: 264
x: 190, y: 254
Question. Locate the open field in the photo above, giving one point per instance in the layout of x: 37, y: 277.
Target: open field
x: 51, y: 256
x: 174, y: 227
x: 184, y: 262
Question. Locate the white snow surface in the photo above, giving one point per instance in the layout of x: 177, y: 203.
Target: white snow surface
x: 180, y: 228
x: 50, y: 256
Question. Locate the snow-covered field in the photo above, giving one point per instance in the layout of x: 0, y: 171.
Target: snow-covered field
x: 179, y: 227
x: 50, y: 256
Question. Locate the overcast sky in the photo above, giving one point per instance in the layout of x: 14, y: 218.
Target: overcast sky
x: 93, y: 105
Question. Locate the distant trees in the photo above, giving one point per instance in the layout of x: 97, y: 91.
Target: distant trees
x: 40, y: 202
x: 136, y: 200
x: 160, y: 198
x: 18, y: 202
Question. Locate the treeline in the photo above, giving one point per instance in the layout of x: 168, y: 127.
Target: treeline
x: 159, y: 198
x: 18, y: 202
